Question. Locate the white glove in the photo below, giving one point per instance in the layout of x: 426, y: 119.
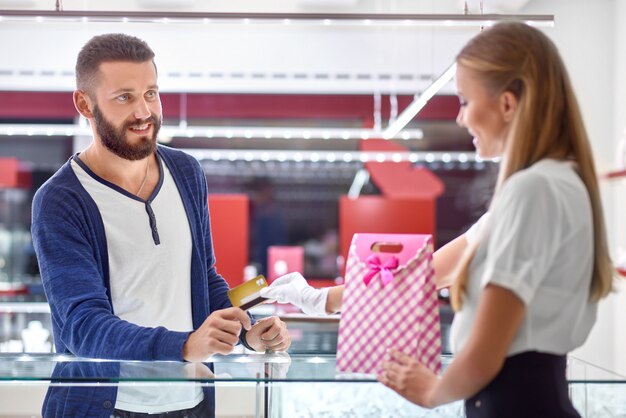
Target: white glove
x: 293, y: 288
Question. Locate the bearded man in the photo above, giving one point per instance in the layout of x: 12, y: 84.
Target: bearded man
x: 123, y: 240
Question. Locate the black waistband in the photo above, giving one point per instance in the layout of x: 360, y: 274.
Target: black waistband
x: 535, y: 359
x: 530, y: 384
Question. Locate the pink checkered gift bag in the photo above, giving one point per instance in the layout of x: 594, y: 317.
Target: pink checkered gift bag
x: 389, y: 301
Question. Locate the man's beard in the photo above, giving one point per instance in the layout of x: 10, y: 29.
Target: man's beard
x: 115, y: 139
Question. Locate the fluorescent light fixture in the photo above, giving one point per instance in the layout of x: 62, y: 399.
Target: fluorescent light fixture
x: 330, y: 156
x: 416, y: 105
x: 190, y: 131
x: 368, y: 19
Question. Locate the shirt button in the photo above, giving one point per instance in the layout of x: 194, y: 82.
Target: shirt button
x: 478, y: 403
x: 107, y: 404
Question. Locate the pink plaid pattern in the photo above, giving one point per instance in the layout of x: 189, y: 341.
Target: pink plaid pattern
x: 404, y: 315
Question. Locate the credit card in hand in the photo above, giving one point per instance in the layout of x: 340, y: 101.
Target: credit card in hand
x: 247, y: 295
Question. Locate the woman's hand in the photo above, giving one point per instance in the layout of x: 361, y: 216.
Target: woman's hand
x: 409, y: 378
x: 293, y: 288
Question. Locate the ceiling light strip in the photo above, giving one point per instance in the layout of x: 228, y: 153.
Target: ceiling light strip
x: 365, y: 19
x: 331, y: 156
x: 249, y: 132
x: 418, y: 104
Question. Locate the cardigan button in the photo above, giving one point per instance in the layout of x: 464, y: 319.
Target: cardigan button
x: 478, y: 403
x: 107, y: 404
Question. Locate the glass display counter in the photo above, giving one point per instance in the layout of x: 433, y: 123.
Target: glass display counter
x: 309, y: 335
x: 263, y: 385
x: 19, y: 313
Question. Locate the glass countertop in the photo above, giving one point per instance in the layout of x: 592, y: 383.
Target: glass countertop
x: 272, y: 384
x: 254, y: 367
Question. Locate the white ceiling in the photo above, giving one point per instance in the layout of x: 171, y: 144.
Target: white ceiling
x: 253, y: 58
x: 284, y: 6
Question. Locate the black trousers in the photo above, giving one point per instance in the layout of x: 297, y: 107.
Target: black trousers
x: 530, y: 385
x: 202, y: 410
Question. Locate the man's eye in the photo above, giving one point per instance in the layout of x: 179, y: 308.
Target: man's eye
x: 151, y: 94
x: 123, y: 98
x: 463, y: 103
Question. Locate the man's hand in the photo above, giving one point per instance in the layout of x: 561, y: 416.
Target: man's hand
x: 218, y: 334
x: 268, y: 334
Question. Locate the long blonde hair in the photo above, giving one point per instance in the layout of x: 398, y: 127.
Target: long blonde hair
x: 547, y: 124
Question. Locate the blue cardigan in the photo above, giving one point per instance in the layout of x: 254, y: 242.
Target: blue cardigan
x: 69, y: 239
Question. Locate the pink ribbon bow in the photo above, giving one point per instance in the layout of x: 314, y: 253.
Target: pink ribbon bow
x: 373, y: 262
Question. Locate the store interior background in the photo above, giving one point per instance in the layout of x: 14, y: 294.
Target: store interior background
x: 37, y: 62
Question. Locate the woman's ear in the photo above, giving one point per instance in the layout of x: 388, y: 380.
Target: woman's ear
x: 508, y: 106
x: 82, y: 103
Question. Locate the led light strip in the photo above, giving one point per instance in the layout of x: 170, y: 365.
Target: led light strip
x: 43, y: 130
x: 268, y: 155
x: 167, y: 132
x: 331, y: 156
x: 363, y: 19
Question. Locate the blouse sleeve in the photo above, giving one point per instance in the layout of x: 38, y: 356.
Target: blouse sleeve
x: 521, y: 236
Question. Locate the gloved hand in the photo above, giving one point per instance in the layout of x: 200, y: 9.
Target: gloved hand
x: 293, y: 288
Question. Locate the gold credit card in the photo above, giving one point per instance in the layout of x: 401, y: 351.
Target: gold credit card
x: 247, y: 295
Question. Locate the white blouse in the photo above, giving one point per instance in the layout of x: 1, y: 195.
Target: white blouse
x: 537, y: 242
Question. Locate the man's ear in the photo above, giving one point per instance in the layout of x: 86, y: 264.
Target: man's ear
x: 508, y: 106
x: 83, y: 104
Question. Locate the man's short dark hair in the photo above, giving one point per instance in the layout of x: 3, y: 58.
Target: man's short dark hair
x: 107, y: 48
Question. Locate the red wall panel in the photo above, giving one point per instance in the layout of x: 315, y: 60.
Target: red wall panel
x: 59, y: 105
x: 229, y: 225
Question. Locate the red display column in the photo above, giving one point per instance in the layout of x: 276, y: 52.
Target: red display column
x: 229, y: 225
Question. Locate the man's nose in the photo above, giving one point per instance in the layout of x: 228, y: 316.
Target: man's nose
x: 142, y: 109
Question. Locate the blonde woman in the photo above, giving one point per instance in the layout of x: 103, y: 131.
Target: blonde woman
x: 526, y: 278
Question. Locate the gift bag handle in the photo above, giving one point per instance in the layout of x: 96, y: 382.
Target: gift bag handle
x: 411, y: 244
